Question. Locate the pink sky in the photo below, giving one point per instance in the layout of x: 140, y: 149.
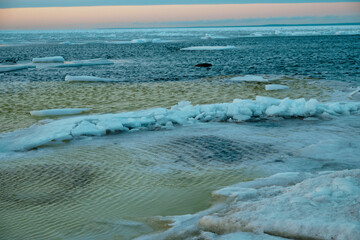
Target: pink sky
x: 128, y: 16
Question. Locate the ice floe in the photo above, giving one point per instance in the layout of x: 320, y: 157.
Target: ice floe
x: 140, y: 41
x: 143, y: 40
x: 59, y: 112
x: 355, y: 94
x: 182, y: 114
x: 69, y: 78
x: 86, y: 63
x: 249, y: 78
x: 56, y: 59
x: 272, y: 87
x: 209, y: 36
x: 15, y: 68
x: 207, y: 48
x: 294, y: 205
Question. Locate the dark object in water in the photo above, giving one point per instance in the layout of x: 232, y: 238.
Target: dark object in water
x: 203, y: 65
x: 8, y: 60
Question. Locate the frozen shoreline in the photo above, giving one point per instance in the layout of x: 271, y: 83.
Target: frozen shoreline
x: 323, y: 205
x: 161, y: 118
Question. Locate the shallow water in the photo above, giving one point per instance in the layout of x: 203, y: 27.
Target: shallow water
x: 19, y: 98
x: 111, y: 190
x: 114, y: 187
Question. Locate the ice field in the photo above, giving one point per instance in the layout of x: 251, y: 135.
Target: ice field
x: 119, y: 134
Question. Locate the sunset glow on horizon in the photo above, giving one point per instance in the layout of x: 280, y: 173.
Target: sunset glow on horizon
x: 160, y: 15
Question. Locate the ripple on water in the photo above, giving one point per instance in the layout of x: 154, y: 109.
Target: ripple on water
x: 111, y: 191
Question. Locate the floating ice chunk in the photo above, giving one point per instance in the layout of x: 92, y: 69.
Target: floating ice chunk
x: 86, y: 63
x: 159, y: 40
x: 140, y: 41
x: 55, y: 59
x: 355, y: 94
x: 67, y: 43
x: 275, y: 87
x: 207, y: 48
x: 324, y: 206
x: 59, y: 112
x: 311, y: 119
x: 88, y: 79
x: 144, y: 40
x: 209, y: 36
x: 249, y: 78
x: 15, y: 68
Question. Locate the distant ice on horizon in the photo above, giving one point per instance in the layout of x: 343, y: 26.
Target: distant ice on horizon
x: 207, y: 48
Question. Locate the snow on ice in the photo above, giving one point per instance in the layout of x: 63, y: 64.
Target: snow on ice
x: 182, y: 114
x: 293, y: 205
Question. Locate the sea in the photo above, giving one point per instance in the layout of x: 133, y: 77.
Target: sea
x: 159, y: 139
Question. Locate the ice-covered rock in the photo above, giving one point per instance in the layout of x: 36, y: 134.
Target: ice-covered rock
x: 88, y: 79
x: 59, y: 112
x: 182, y: 114
x: 272, y: 87
x: 15, y: 68
x: 249, y: 78
x: 56, y: 59
x: 207, y: 48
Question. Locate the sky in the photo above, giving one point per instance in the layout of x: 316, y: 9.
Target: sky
x: 85, y: 14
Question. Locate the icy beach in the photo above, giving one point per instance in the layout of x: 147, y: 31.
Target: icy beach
x: 116, y: 134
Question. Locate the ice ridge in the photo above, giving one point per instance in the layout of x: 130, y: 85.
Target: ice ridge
x: 183, y: 113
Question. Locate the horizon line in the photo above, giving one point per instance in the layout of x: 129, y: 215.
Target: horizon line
x: 228, y: 2
x: 222, y: 26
